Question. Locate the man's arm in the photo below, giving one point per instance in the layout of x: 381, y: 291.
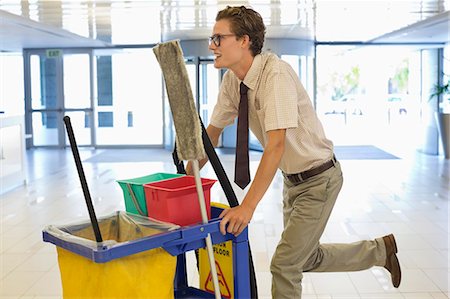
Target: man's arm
x: 213, y: 134
x: 238, y: 217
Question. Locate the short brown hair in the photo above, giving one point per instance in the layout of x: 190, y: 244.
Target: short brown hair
x: 245, y: 21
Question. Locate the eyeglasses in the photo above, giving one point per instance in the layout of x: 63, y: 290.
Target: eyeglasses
x: 216, y: 38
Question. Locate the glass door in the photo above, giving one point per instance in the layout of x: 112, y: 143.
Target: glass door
x: 209, y: 89
x: 77, y: 96
x: 128, y: 98
x: 59, y: 85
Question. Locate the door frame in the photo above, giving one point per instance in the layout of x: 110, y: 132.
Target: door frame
x: 60, y: 110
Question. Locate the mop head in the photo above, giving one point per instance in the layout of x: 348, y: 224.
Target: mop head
x: 185, y: 117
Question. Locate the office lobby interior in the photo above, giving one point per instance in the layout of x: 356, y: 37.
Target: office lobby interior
x: 369, y: 67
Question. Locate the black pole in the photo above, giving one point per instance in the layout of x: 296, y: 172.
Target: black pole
x: 227, y: 189
x: 218, y: 169
x: 178, y: 163
x: 87, y: 196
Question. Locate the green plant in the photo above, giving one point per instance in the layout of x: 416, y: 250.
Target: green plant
x: 442, y: 93
x: 401, y: 77
x: 441, y: 90
x: 345, y: 83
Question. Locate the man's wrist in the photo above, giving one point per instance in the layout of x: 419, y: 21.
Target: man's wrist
x: 248, y: 204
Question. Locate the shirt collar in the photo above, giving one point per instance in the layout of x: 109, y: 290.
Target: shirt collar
x: 254, y: 72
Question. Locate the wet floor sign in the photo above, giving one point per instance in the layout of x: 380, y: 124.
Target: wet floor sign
x: 223, y: 254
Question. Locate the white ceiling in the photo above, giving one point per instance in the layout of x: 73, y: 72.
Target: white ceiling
x: 17, y: 32
x: 98, y: 23
x: 432, y: 29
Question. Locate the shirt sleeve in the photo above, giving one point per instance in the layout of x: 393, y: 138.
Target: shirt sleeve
x: 280, y: 101
x: 225, y: 111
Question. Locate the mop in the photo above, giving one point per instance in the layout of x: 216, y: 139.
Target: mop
x: 187, y: 126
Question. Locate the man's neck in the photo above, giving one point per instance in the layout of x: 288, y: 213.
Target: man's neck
x: 243, y: 67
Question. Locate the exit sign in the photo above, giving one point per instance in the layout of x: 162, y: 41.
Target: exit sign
x: 53, y: 53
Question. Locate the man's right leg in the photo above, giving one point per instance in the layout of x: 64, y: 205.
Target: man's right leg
x: 309, y: 205
x: 356, y: 256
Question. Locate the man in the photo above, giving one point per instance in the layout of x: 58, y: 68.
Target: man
x: 281, y: 116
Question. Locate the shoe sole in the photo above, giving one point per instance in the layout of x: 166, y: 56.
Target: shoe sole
x: 393, y: 244
x: 396, y: 282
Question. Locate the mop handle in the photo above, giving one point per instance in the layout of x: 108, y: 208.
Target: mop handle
x: 230, y: 195
x: 209, y: 245
x: 87, y: 196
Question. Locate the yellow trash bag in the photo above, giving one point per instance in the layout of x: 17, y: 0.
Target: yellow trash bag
x: 148, y: 274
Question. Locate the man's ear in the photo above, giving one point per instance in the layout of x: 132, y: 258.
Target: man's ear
x: 246, y: 41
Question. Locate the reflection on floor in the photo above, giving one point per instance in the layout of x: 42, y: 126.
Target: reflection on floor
x: 408, y: 197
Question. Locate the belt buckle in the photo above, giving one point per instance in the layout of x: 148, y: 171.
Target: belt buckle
x: 296, y: 178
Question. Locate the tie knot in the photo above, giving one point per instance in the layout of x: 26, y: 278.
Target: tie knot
x: 243, y: 88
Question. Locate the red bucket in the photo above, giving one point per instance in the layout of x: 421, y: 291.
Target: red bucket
x: 176, y: 200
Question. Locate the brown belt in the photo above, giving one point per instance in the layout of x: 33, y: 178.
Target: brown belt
x: 304, y: 175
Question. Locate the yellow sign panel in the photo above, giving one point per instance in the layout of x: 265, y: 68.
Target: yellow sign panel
x: 223, y: 255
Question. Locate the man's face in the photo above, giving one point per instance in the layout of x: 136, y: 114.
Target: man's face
x: 229, y: 52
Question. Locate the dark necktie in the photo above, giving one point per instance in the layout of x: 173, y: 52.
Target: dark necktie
x: 242, y: 169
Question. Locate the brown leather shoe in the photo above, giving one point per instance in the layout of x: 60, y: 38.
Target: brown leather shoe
x: 392, y: 264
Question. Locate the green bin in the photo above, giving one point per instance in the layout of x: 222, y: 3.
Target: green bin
x: 133, y: 191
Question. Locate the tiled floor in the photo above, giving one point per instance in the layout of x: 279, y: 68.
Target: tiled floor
x: 408, y: 197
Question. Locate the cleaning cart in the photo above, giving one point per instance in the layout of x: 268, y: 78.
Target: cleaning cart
x: 125, y: 255
x: 79, y: 253
x: 206, y: 234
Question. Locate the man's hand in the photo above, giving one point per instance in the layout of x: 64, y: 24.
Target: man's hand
x: 237, y: 219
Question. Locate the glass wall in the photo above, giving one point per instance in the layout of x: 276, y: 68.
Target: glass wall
x: 209, y: 89
x: 45, y: 100
x: 360, y: 100
x: 113, y: 97
x: 369, y: 95
x: 11, y: 84
x: 59, y: 84
x: 128, y: 98
x: 444, y: 106
x: 77, y: 95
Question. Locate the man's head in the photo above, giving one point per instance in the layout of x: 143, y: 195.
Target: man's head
x: 245, y: 21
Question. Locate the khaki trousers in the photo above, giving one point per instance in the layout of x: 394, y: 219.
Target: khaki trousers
x: 306, y: 209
